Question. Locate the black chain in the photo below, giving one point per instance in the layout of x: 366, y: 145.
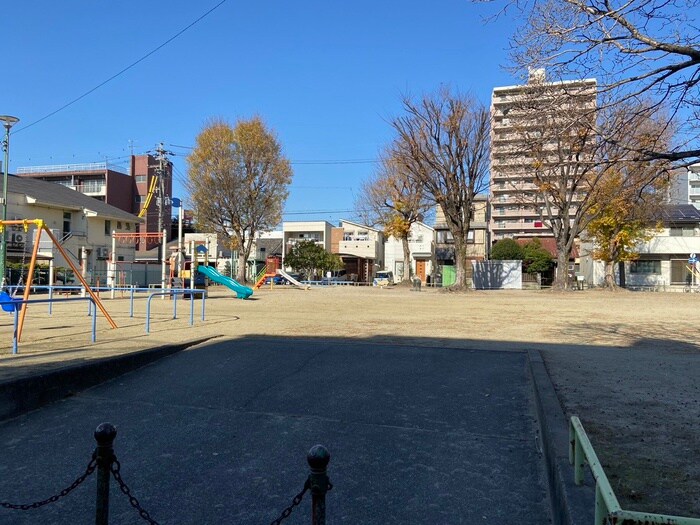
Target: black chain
x: 114, y: 469
x: 89, y: 470
x: 295, y: 501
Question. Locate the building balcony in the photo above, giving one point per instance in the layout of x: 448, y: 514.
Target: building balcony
x: 92, y: 189
x: 364, y: 249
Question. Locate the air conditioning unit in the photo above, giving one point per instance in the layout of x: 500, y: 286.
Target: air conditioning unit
x: 102, y: 253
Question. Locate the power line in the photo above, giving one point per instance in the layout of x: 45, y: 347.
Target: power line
x: 319, y: 212
x: 127, y: 68
x: 313, y: 161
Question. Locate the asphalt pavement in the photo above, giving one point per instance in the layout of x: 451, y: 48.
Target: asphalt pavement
x: 219, y: 434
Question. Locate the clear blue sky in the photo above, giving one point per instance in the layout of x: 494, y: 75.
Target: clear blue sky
x: 326, y: 76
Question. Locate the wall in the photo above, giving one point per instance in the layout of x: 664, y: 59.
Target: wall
x: 497, y: 275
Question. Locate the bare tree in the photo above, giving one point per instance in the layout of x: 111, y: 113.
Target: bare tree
x: 238, y: 180
x: 390, y: 199
x: 637, y: 49
x: 442, y: 142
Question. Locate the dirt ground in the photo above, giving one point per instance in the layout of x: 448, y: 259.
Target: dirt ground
x: 628, y: 364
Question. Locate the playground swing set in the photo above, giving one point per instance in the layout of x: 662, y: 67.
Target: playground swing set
x: 10, y: 303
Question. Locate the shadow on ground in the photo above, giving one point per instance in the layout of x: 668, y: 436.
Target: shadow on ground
x: 422, y: 430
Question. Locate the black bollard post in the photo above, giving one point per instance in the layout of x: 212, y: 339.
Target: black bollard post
x: 104, y: 454
x: 318, y: 458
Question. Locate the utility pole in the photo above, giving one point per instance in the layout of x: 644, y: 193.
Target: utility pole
x: 163, y: 161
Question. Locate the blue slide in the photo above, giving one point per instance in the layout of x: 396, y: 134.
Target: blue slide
x: 242, y: 292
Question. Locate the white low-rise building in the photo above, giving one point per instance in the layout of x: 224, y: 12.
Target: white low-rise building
x: 664, y: 261
x: 421, y: 244
x: 81, y: 224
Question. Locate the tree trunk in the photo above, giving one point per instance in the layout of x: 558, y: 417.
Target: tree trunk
x: 240, y: 271
x: 461, y: 277
x: 561, y: 280
x: 609, y: 275
x: 406, y: 260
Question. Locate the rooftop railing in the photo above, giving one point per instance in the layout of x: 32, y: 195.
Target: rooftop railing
x: 59, y: 168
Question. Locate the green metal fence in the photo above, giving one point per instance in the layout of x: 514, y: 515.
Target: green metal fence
x: 607, y: 508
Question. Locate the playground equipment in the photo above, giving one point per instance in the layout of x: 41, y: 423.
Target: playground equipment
x: 273, y: 267
x: 41, y: 228
x: 694, y: 284
x: 242, y: 292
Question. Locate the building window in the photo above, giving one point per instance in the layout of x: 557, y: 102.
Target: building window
x: 444, y: 237
x: 128, y: 226
x: 141, y: 178
x: 66, y: 222
x: 685, y: 231
x: 119, y: 225
x: 470, y: 237
x: 501, y: 211
x: 108, y: 227
x: 680, y: 274
x: 645, y: 267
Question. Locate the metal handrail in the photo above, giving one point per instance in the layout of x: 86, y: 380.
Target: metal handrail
x: 17, y: 307
x: 175, y: 292
x: 607, y: 507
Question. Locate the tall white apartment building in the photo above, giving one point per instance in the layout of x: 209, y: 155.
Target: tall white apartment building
x: 685, y: 186
x: 514, y: 114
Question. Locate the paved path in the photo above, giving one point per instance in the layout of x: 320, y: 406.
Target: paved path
x: 219, y: 433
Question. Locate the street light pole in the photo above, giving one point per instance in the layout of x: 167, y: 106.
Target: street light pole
x: 8, y: 121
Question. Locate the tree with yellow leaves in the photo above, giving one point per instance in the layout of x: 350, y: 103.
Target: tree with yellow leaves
x: 238, y: 181
x: 391, y: 200
x: 629, y: 196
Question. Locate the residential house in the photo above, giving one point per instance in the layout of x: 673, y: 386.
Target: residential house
x: 421, y: 245
x: 478, y: 241
x: 298, y: 231
x: 83, y: 226
x: 360, y: 247
x: 663, y: 262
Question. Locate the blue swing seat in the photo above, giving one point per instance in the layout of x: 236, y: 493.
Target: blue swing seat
x: 9, y: 303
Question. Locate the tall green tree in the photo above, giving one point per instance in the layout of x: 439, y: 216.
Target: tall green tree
x: 393, y: 201
x: 238, y: 181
